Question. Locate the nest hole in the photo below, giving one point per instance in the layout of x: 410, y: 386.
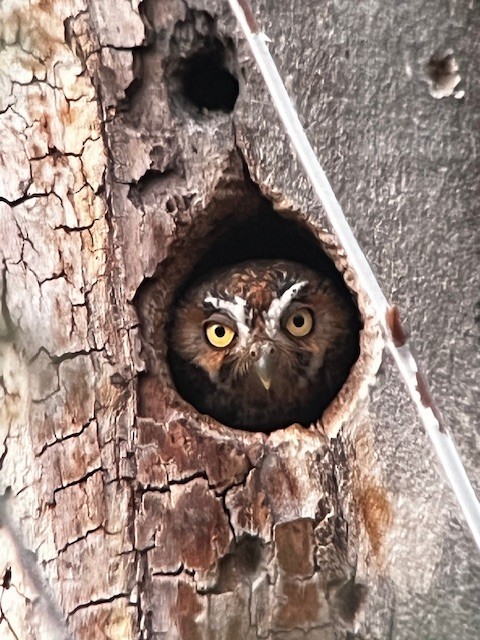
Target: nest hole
x: 237, y: 226
x: 269, y: 378
x: 240, y: 227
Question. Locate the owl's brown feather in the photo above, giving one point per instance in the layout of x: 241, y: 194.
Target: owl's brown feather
x: 255, y: 298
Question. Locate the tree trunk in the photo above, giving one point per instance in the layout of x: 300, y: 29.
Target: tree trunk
x: 127, y: 163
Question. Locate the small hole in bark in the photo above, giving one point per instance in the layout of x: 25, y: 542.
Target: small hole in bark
x: 202, y: 68
x: 152, y: 177
x: 7, y: 579
x: 206, y: 82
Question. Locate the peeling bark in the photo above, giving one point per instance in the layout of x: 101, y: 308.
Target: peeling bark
x: 126, y: 514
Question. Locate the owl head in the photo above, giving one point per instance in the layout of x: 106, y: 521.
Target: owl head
x: 262, y: 344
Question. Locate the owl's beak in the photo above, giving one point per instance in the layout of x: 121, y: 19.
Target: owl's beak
x: 263, y: 368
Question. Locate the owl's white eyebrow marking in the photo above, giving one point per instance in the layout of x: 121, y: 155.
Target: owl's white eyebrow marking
x: 278, y: 306
x: 235, y: 309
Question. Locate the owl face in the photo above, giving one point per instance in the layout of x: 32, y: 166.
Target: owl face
x: 251, y: 344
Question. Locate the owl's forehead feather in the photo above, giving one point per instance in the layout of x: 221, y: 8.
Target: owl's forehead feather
x: 279, y: 305
x: 258, y: 283
x: 234, y: 307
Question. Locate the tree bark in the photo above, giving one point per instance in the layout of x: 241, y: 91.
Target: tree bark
x: 125, y: 513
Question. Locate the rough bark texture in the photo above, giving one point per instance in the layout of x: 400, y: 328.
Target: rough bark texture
x: 146, y: 519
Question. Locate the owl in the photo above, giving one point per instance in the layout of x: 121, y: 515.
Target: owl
x: 263, y: 344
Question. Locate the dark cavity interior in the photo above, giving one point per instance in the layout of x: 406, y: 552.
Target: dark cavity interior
x: 264, y: 235
x: 206, y: 82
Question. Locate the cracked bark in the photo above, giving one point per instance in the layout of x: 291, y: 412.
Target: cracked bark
x: 147, y: 520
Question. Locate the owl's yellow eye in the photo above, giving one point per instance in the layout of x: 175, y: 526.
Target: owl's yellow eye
x: 300, y: 323
x: 219, y: 335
